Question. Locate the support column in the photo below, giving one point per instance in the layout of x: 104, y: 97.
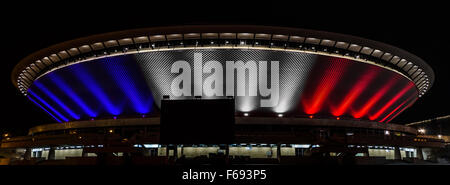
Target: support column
x: 279, y: 152
x: 366, y: 154
x: 181, y: 150
x: 145, y: 152
x: 51, y: 153
x: 84, y: 153
x: 27, y: 155
x: 167, y: 150
x: 227, y: 150
x: 227, y: 154
x: 397, y: 154
x: 175, y: 151
x: 408, y: 154
x: 419, y: 153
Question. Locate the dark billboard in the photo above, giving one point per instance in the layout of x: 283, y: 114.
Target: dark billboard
x: 197, y: 121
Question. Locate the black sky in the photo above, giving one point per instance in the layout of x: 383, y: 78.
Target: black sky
x: 421, y: 30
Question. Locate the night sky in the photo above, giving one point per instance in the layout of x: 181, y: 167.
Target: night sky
x: 422, y: 30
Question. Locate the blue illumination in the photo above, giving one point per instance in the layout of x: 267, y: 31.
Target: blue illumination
x: 91, y: 85
x: 48, y: 105
x: 44, y: 109
x: 102, y: 88
x: 124, y: 79
x: 69, y: 91
x: 56, y: 99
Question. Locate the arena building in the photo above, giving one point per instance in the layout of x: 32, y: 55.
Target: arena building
x: 298, y: 94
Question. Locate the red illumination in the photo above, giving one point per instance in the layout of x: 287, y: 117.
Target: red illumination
x: 338, y: 118
x: 398, y: 107
x: 333, y: 72
x: 311, y: 116
x: 391, y: 101
x: 396, y: 114
x: 356, y: 90
x: 363, y: 111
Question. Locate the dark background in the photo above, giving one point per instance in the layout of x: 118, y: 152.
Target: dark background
x: 421, y: 29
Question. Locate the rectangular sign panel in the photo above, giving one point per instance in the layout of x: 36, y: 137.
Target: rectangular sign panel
x: 197, y: 121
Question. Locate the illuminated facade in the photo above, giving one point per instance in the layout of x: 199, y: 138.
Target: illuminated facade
x: 318, y: 74
x: 309, y: 84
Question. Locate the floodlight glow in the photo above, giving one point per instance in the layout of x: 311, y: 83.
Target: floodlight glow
x: 48, y: 106
x: 43, y: 108
x: 405, y: 89
x: 66, y: 88
x: 56, y: 100
x: 141, y: 103
x: 92, y: 86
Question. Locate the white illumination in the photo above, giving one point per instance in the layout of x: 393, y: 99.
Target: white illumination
x: 246, y: 114
x: 280, y: 115
x: 386, y: 132
x: 36, y: 149
x: 300, y: 146
x: 151, y: 145
x: 421, y: 131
